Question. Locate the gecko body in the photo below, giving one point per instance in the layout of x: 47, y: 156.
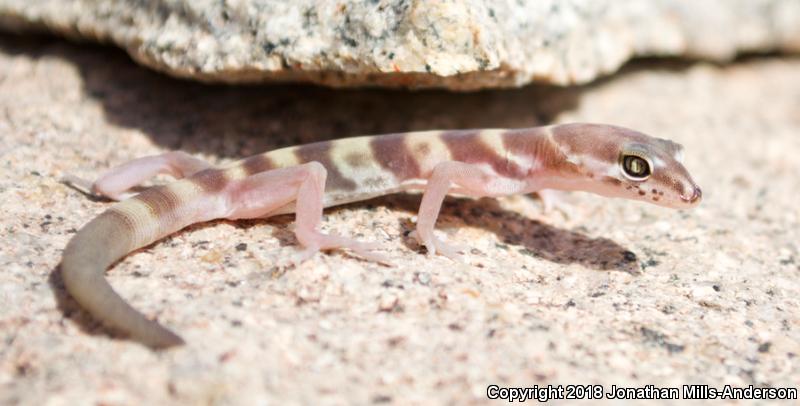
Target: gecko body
x: 607, y: 160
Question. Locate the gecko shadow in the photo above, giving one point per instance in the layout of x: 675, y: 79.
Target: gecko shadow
x: 71, y: 310
x: 514, y: 231
x: 517, y: 232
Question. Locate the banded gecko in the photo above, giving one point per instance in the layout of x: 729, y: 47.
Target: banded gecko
x: 603, y: 159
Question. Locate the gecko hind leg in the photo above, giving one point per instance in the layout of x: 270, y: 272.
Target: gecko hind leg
x: 116, y: 182
x: 259, y: 195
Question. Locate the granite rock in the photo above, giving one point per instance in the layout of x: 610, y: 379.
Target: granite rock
x: 455, y: 44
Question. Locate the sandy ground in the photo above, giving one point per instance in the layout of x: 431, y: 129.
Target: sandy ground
x: 617, y: 293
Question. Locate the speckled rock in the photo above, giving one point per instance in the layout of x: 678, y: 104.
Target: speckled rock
x: 617, y: 293
x: 456, y: 44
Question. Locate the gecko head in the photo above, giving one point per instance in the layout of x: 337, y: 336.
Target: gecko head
x: 619, y: 162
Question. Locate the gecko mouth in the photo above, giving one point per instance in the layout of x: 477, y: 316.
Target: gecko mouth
x: 696, y: 196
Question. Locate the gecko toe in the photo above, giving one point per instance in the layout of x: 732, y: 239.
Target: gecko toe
x: 450, y: 251
x: 332, y: 242
x: 437, y: 246
x: 366, y: 250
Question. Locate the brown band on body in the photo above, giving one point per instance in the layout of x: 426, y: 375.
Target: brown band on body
x: 210, y: 180
x: 159, y: 200
x: 321, y: 152
x: 392, y: 154
x: 467, y: 146
x: 256, y: 164
x: 538, y: 146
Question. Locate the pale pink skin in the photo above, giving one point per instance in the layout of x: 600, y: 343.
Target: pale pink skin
x: 306, y: 179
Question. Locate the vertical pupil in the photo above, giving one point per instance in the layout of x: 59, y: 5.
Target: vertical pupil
x: 636, y: 166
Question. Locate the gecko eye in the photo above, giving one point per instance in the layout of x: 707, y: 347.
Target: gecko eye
x: 635, y: 167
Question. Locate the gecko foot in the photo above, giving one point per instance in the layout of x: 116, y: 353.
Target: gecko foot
x: 437, y: 246
x: 81, y: 184
x: 87, y: 187
x: 319, y: 241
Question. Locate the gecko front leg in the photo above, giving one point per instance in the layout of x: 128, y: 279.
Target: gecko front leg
x: 463, y: 178
x: 262, y: 194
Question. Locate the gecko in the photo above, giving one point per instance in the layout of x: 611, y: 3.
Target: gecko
x: 603, y: 159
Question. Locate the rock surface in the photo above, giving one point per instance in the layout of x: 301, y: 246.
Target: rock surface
x: 542, y: 299
x: 455, y: 44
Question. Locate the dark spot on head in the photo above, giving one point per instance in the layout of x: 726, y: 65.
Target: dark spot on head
x: 642, y: 193
x: 655, y: 198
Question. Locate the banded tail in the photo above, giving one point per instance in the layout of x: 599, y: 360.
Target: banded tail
x: 123, y: 228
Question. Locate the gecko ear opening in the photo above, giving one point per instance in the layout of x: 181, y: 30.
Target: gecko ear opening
x: 635, y: 167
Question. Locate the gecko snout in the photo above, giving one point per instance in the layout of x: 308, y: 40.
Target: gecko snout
x: 695, y: 197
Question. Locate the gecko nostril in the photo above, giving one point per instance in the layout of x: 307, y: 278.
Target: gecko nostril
x: 697, y: 194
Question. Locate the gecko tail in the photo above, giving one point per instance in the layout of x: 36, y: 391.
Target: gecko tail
x: 96, y: 246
